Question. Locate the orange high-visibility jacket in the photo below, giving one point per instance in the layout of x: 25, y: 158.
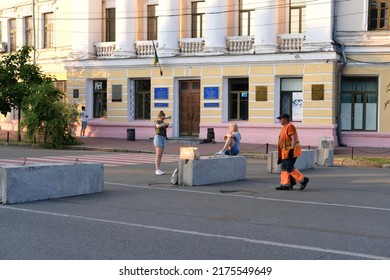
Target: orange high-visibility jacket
x: 285, y: 141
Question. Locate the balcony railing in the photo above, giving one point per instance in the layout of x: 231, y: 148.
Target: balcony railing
x: 195, y: 46
x: 145, y: 48
x: 240, y: 44
x: 191, y: 46
x: 104, y: 49
x: 291, y: 42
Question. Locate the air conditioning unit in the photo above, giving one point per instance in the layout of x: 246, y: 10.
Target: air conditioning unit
x: 3, y: 47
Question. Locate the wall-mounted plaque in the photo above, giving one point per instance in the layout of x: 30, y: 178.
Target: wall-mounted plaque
x: 160, y: 104
x: 160, y: 93
x: 317, y: 92
x: 261, y: 93
x: 212, y: 104
x: 116, y: 93
x: 211, y: 93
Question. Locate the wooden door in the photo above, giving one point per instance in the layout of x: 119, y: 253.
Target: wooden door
x: 189, y: 99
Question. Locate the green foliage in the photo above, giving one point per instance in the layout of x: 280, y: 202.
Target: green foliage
x: 18, y: 76
x: 48, y: 117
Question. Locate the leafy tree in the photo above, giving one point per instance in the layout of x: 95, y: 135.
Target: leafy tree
x: 17, y: 79
x: 49, y: 119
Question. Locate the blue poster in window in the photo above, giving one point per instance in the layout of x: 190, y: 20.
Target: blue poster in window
x: 160, y: 93
x: 213, y: 104
x: 160, y: 104
x: 211, y: 92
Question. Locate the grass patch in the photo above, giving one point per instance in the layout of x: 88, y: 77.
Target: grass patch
x: 373, y: 160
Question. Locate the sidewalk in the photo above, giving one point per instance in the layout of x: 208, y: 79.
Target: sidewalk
x: 173, y: 147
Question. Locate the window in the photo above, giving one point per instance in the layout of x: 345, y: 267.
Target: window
x: 378, y: 15
x: 359, y: 103
x: 28, y: 27
x: 142, y: 99
x: 152, y: 22
x: 291, y: 98
x: 297, y: 16
x: 238, y: 99
x: 100, y: 99
x: 110, y: 25
x: 12, y: 35
x: 197, y: 19
x: 247, y: 18
x: 48, y: 32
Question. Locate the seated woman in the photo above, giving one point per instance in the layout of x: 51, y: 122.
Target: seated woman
x: 232, y: 141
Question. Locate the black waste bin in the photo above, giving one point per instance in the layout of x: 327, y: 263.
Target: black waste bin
x: 130, y: 134
x: 210, y: 135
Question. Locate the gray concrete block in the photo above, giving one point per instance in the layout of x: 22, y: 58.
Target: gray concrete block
x: 325, y: 157
x: 20, y: 184
x: 211, y: 170
x: 305, y: 161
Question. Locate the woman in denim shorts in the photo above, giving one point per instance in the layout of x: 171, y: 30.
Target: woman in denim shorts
x: 160, y: 128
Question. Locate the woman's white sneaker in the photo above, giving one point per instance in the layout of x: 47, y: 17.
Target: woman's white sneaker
x: 159, y: 172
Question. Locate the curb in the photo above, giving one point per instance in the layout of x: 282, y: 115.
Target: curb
x: 355, y: 163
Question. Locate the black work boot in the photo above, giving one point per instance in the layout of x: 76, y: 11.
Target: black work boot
x: 293, y: 182
x: 304, y: 183
x: 283, y: 188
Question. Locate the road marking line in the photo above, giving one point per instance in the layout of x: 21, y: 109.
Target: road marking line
x: 257, y: 197
x: 204, y: 234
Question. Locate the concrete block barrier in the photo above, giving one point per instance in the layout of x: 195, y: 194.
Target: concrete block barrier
x: 305, y: 161
x: 211, y: 170
x: 20, y: 184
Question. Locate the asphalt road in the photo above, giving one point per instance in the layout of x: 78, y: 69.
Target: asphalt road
x: 344, y: 213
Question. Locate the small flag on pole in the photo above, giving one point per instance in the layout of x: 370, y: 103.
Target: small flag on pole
x: 156, y: 61
x: 155, y: 54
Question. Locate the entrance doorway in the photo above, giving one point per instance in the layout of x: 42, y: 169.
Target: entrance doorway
x: 189, y: 100
x: 100, y: 99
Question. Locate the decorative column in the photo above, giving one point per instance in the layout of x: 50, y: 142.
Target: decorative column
x: 319, y: 26
x: 168, y: 28
x: 216, y: 26
x: 266, y: 22
x: 126, y: 13
x: 86, y: 28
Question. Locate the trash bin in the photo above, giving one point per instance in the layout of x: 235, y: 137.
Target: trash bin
x: 130, y: 134
x: 325, y: 152
x: 210, y: 135
x: 326, y: 143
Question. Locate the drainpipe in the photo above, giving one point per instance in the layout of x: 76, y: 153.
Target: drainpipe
x: 34, y: 34
x: 340, y: 48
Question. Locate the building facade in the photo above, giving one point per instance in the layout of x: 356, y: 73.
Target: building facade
x: 219, y: 61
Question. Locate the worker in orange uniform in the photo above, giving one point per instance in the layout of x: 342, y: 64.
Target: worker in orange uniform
x: 288, y: 151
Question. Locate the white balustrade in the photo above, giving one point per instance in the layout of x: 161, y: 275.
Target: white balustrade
x: 191, y: 46
x: 240, y: 44
x: 145, y: 48
x: 291, y: 42
x: 104, y: 49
